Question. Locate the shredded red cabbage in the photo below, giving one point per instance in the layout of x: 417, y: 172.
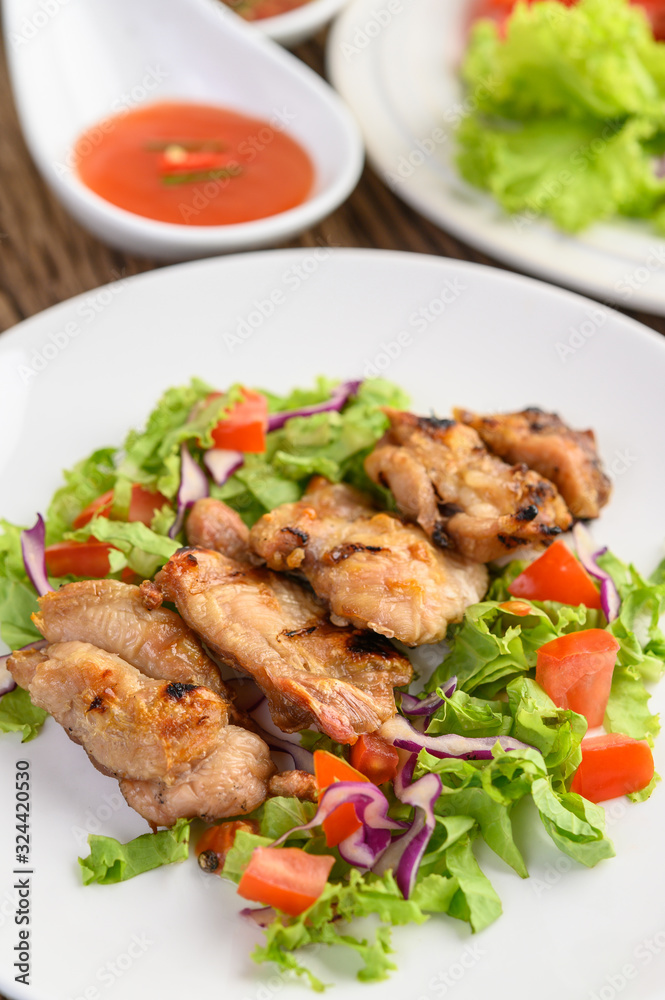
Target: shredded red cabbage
x: 414, y: 706
x: 403, y: 736
x: 221, y: 463
x: 193, y: 486
x: 405, y: 853
x: 365, y: 846
x: 34, y: 558
x: 609, y: 595
x: 340, y: 395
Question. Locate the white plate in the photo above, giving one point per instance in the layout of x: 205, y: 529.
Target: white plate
x: 395, y: 63
x: 459, y: 333
x: 295, y: 26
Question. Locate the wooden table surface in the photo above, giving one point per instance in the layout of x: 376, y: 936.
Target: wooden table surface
x: 46, y: 257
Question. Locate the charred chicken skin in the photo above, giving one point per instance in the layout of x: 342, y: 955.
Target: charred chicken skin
x: 268, y: 626
x: 546, y: 444
x: 168, y: 742
x: 467, y: 500
x: 370, y: 568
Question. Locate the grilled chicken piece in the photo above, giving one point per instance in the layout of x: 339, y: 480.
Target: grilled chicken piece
x: 370, y: 568
x: 231, y: 781
x: 168, y: 742
x: 113, y: 616
x: 467, y: 500
x: 214, y: 525
x: 270, y: 627
x: 543, y: 442
x: 135, y: 726
x: 294, y: 784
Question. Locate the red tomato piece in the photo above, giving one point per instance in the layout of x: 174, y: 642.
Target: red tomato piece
x: 286, y: 878
x: 556, y: 576
x: 344, y: 820
x: 576, y: 671
x: 101, y: 505
x: 142, y: 506
x: 375, y: 758
x: 612, y: 765
x: 215, y: 843
x: 89, y: 558
x: 191, y: 161
x: 329, y: 768
x: 244, y: 428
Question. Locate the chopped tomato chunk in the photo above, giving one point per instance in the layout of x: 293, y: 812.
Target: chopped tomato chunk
x: 612, y: 765
x: 142, y: 506
x: 286, y: 878
x: 89, y: 558
x: 101, y: 505
x: 344, y: 820
x: 556, y: 576
x: 576, y: 671
x: 375, y: 758
x: 244, y: 427
x: 216, y: 842
x: 329, y: 768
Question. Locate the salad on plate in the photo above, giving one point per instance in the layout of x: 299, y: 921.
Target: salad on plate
x: 337, y: 644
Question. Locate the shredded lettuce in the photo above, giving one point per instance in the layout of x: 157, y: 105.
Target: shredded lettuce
x: 18, y: 714
x: 110, y: 861
x: 568, y: 112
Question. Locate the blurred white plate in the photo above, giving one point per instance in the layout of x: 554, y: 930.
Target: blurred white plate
x: 450, y: 333
x: 296, y: 26
x: 395, y: 63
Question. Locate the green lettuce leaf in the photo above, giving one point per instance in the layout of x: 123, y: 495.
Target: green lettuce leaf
x: 491, y: 646
x: 18, y: 714
x: 556, y: 732
x: 575, y: 825
x: 475, y: 901
x: 567, y: 114
x: 110, y: 861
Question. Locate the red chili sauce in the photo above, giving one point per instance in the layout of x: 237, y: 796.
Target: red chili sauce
x: 256, y: 10
x: 194, y: 164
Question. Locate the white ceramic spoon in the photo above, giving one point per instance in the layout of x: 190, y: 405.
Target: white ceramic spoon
x: 75, y: 63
